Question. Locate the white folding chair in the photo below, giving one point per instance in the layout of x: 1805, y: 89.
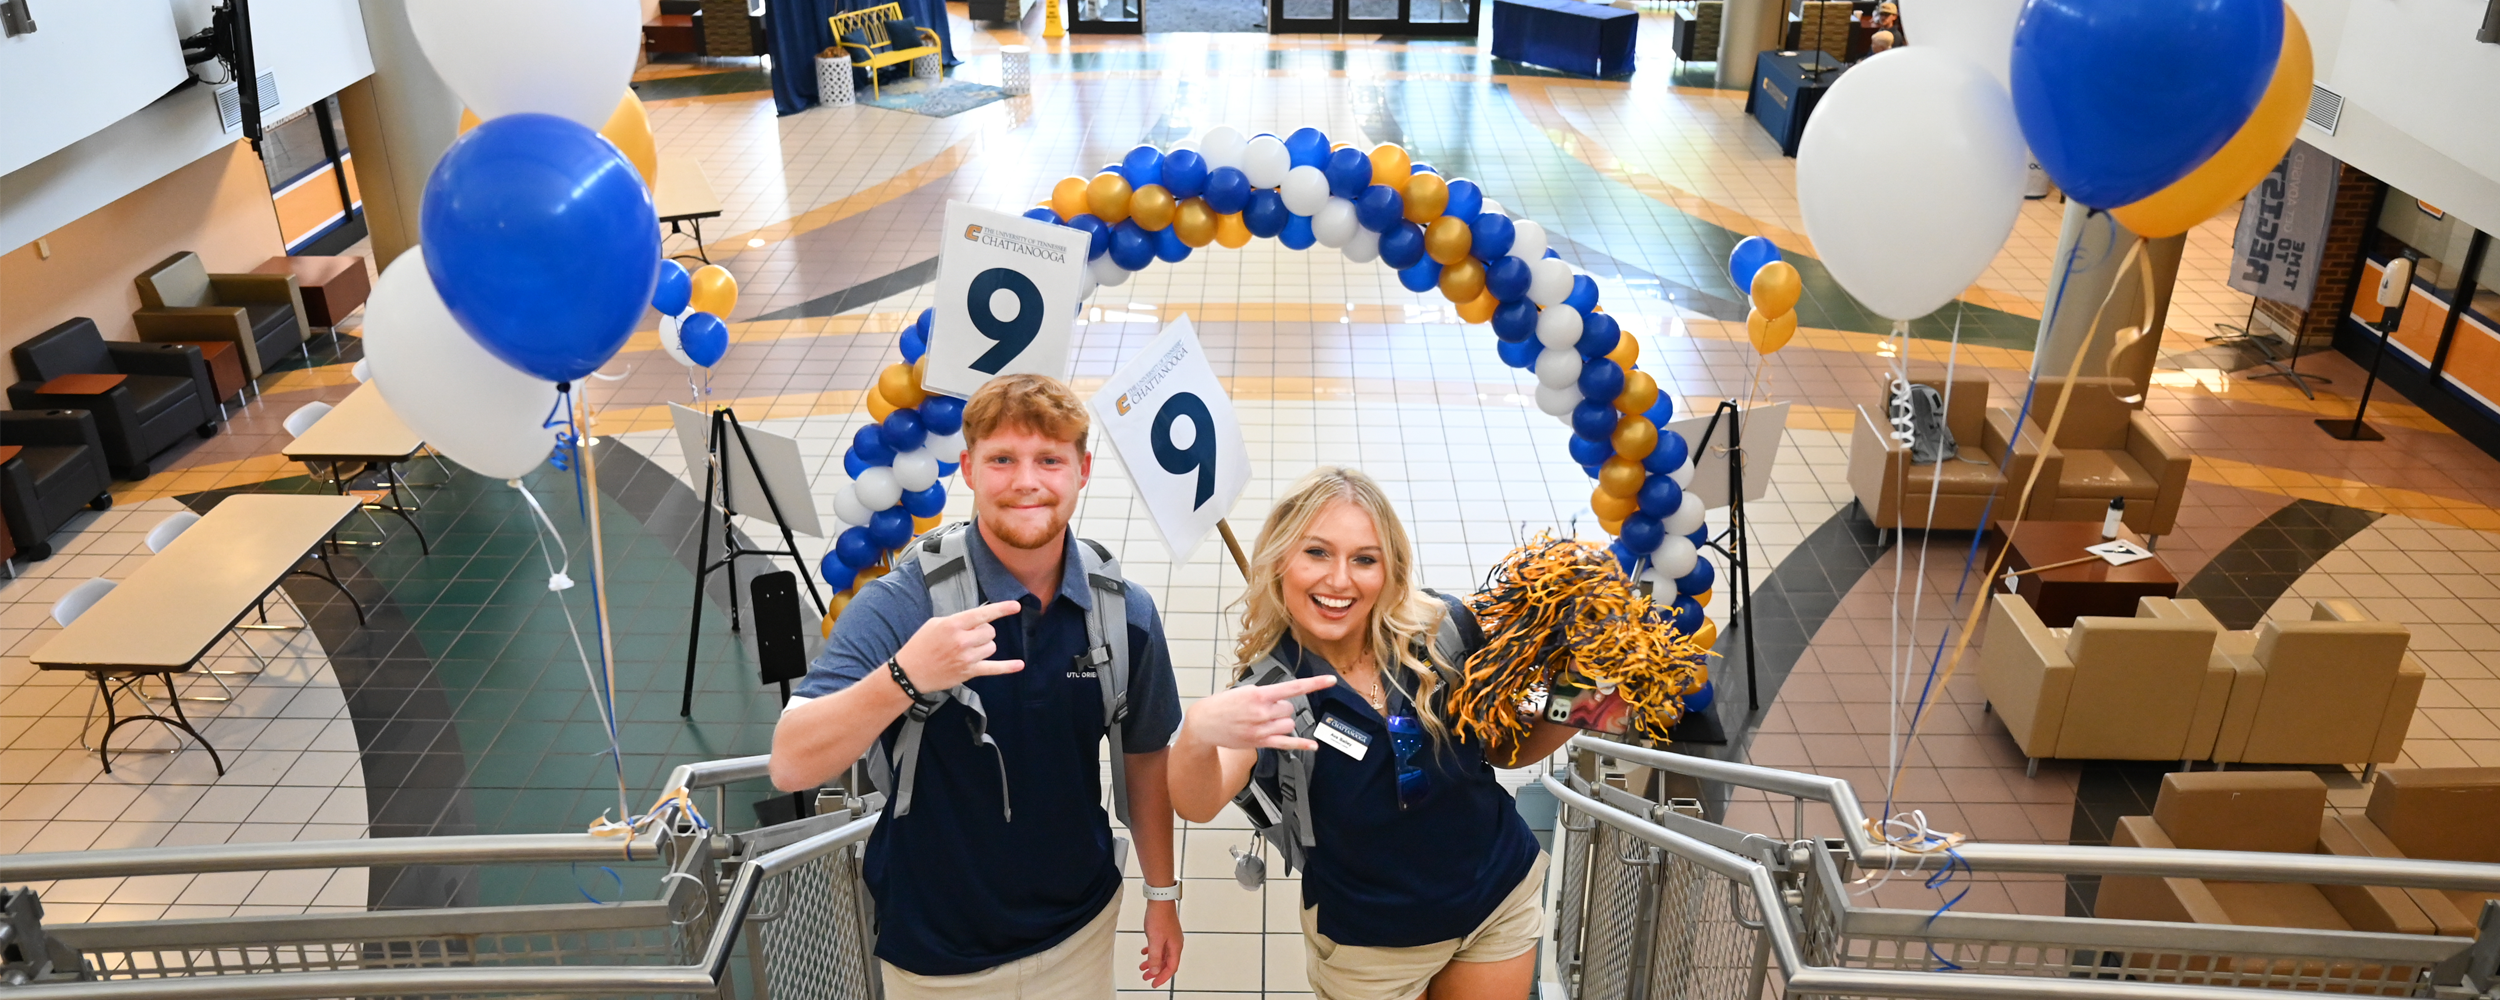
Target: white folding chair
x: 363, y: 370
x: 302, y: 420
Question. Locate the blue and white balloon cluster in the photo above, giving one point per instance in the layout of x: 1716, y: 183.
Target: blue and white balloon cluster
x: 897, y: 466
x: 691, y: 307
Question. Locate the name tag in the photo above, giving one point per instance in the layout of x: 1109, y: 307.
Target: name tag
x: 1343, y: 735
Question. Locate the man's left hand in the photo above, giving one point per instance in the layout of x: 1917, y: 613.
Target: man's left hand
x: 1163, y: 942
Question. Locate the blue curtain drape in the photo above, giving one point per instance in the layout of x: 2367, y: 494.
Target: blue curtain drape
x: 798, y: 31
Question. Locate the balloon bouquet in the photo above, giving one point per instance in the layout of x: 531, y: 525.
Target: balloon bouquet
x: 691, y: 307
x: 897, y: 466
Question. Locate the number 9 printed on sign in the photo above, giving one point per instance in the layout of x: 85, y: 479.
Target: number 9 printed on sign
x: 1172, y: 425
x: 1006, y: 298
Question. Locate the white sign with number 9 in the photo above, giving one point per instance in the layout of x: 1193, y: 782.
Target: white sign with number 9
x: 1172, y: 425
x: 1006, y: 298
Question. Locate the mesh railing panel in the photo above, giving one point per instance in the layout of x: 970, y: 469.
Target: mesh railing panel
x: 2035, y: 959
x: 1620, y: 895
x: 1704, y: 948
x: 628, y: 946
x: 1571, y: 897
x: 814, y: 932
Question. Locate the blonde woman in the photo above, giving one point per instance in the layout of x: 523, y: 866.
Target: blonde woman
x: 1423, y: 880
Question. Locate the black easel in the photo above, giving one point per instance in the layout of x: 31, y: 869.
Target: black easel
x: 1731, y: 543
x: 2247, y: 334
x: 716, y: 491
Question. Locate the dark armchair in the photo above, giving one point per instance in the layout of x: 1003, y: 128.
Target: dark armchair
x: 263, y: 314
x: 152, y: 395
x: 58, y: 469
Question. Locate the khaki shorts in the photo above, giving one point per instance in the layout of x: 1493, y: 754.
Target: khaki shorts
x: 1350, y: 972
x: 1078, y: 968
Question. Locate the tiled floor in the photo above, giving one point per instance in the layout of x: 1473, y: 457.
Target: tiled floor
x: 467, y: 709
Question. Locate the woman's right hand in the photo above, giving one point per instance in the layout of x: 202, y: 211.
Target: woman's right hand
x: 1253, y: 716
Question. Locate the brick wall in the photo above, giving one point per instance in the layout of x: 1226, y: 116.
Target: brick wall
x: 2339, y: 264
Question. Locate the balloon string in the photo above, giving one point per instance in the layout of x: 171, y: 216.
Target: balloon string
x: 602, y: 692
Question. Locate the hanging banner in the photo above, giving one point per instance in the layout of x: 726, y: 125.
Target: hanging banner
x: 1173, y: 427
x: 2283, y: 228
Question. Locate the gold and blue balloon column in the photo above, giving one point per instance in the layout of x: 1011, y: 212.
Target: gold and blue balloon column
x: 898, y: 465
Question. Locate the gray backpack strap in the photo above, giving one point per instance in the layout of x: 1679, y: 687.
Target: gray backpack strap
x: 1284, y: 819
x: 1106, y: 654
x: 946, y: 569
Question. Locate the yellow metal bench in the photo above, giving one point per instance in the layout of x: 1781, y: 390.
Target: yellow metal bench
x: 877, y: 54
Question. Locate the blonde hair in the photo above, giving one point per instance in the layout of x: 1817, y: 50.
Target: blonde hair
x: 1037, y: 403
x: 1403, y: 620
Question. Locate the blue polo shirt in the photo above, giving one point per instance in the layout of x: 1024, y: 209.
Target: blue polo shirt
x: 1389, y: 877
x: 959, y: 887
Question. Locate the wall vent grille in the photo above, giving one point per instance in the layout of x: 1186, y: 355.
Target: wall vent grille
x: 2326, y: 108
x: 230, y: 101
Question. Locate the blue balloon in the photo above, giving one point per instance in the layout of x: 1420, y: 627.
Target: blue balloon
x: 1402, y: 245
x: 1593, y: 420
x: 1551, y: 252
x: 1750, y: 254
x: 1699, y: 580
x: 1700, y: 537
x: 1660, y: 496
x: 854, y: 548
x: 539, y: 237
x: 903, y: 431
x: 922, y: 322
x: 1168, y: 245
x: 1519, y: 353
x: 1592, y: 470
x: 1308, y: 147
x: 1583, y: 295
x: 925, y: 503
x: 675, y: 287
x: 1590, y: 451
x: 1142, y: 166
x: 1642, y: 533
x: 1508, y: 278
x: 1687, y: 615
x: 1228, y: 190
x: 1132, y: 247
x: 852, y: 464
x: 1669, y: 456
x: 913, y: 345
x: 1515, y: 320
x: 1266, y: 215
x: 869, y: 444
x: 942, y: 414
x: 1601, y: 380
x: 837, y: 576
x: 1700, y: 700
x: 1349, y: 172
x: 1184, y: 174
x: 1494, y: 235
x: 1466, y: 200
x: 889, y: 528
x: 703, y: 337
x: 1297, y: 234
x: 1598, y: 336
x: 1423, y: 276
x: 1039, y: 214
x: 1380, y: 208
x: 1630, y: 560
x: 1422, y: 168
x: 946, y: 469
x: 2120, y: 98
x: 1663, y: 410
x: 1097, y: 229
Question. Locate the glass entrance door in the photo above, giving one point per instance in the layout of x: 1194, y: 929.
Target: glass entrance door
x: 1373, y: 17
x: 1106, y: 17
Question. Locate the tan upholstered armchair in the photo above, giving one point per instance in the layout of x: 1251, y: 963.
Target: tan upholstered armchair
x: 2436, y: 814
x: 262, y: 314
x: 1893, y: 492
x: 2106, y: 449
x: 2142, y: 688
x: 2336, y: 689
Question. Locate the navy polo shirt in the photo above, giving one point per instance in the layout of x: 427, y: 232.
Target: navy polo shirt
x: 1387, y: 877
x: 960, y: 888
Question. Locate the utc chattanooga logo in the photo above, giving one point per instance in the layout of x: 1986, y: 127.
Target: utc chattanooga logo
x: 1012, y: 243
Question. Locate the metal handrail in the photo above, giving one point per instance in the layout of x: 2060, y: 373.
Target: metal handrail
x: 715, y: 773
x: 2234, y: 866
x: 515, y: 848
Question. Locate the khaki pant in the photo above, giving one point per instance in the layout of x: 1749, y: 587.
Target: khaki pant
x: 1349, y: 972
x: 1078, y: 968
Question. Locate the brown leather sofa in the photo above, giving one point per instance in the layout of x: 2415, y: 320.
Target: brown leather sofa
x: 1893, y: 492
x: 2436, y: 814
x: 2276, y: 811
x: 263, y: 314
x: 2142, y: 688
x: 2105, y: 449
x: 2338, y: 688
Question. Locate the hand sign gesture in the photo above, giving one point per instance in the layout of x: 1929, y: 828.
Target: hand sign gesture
x: 951, y: 650
x: 1253, y: 717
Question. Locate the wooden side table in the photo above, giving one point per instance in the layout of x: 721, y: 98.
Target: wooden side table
x: 333, y: 286
x: 225, y: 367
x: 2066, y: 593
x: 81, y: 385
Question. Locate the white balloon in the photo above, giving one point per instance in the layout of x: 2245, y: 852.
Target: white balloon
x: 1106, y: 272
x: 1558, y: 326
x: 1364, y: 248
x: 669, y: 342
x: 1686, y: 519
x: 571, y: 58
x: 1673, y: 559
x: 1981, y: 31
x: 847, y: 508
x: 467, y: 403
x: 1527, y: 241
x: 1940, y: 135
x: 1086, y: 282
x: 877, y: 487
x: 1494, y: 208
x: 1558, y: 366
x: 1305, y: 190
x: 946, y: 447
x: 1557, y: 401
x: 1683, y: 476
x: 1334, y: 224
x: 1551, y: 282
x: 915, y: 470
x: 1267, y: 162
x: 1222, y: 146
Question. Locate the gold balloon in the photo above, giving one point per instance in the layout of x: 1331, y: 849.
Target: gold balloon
x: 1707, y: 636
x: 1635, y: 437
x: 715, y: 291
x: 1463, y: 281
x: 1231, y: 232
x: 630, y: 129
x: 900, y: 386
x: 1194, y: 222
x: 1479, y: 309
x: 1627, y: 351
x: 1640, y: 392
x: 1770, y: 333
x: 1613, y: 527
x: 1069, y: 197
x: 2246, y: 159
x: 1610, y: 507
x: 1152, y: 207
x: 1775, y: 288
x: 1702, y: 598
x: 877, y: 405
x: 1448, y: 240
x: 468, y: 120
x: 921, y: 525
x: 1621, y: 476
x: 833, y: 610
x: 1391, y: 166
x: 1107, y: 194
x: 1426, y: 196
x: 869, y: 573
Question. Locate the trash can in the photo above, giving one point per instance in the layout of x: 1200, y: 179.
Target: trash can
x: 927, y: 68
x: 833, y: 79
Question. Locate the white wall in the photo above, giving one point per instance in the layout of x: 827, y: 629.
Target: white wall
x: 2422, y: 98
x: 89, y: 64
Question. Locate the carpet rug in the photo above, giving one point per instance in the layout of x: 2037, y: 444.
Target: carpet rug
x: 934, y: 98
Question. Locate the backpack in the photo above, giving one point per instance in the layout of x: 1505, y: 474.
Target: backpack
x: 1918, y: 421
x: 1275, y: 798
x: 945, y: 557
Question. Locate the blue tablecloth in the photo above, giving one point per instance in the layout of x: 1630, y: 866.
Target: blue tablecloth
x: 1785, y: 89
x: 1569, y: 35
